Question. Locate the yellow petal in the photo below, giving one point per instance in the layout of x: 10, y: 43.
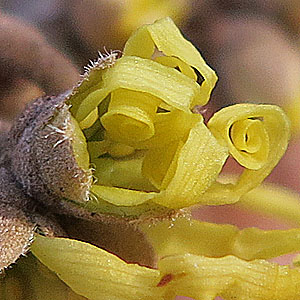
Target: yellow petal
x: 253, y: 243
x: 215, y: 240
x: 121, y: 197
x: 257, y: 137
x: 95, y: 273
x: 175, y: 62
x: 130, y: 116
x: 140, y: 43
x: 181, y: 236
x: 251, y: 143
x: 169, y: 127
x: 125, y: 172
x: 198, y: 165
x: 229, y: 277
x: 160, y: 163
x: 168, y: 39
x: 89, y: 120
x: 89, y: 84
x: 143, y: 75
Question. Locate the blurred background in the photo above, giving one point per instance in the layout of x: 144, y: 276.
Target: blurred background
x: 253, y: 45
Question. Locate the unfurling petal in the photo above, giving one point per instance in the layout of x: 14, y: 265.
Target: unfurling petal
x: 256, y: 136
x: 167, y: 38
x: 136, y: 74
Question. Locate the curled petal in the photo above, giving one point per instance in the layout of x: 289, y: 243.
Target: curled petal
x: 130, y: 116
x: 256, y: 136
x: 175, y: 62
x: 136, y: 74
x: 250, y: 143
x: 164, y: 35
x: 169, y: 127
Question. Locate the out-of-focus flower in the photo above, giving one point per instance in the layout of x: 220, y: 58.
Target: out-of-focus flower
x: 131, y: 118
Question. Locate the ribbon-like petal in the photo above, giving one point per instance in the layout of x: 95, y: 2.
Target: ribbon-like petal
x: 105, y: 275
x: 256, y: 136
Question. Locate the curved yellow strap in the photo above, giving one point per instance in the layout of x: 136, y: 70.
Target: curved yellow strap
x: 95, y: 273
x: 170, y: 86
x: 256, y: 136
x: 198, y: 164
x: 164, y: 35
x: 275, y: 201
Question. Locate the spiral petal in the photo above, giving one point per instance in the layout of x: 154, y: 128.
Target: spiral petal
x: 257, y: 137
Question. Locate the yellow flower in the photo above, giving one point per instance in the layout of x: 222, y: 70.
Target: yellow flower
x: 131, y: 119
x: 147, y: 147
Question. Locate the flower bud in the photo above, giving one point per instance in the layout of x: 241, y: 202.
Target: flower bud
x: 125, y: 142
